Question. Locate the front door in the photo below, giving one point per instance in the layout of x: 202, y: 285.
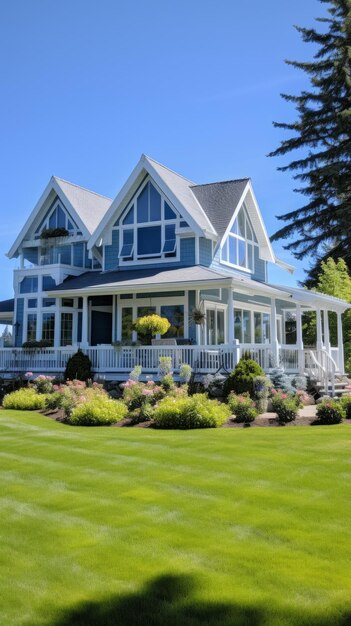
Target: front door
x: 101, y: 327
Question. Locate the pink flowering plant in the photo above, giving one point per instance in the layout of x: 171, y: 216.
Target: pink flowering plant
x: 242, y: 407
x: 140, y: 398
x: 286, y: 406
x: 73, y: 393
x: 43, y: 384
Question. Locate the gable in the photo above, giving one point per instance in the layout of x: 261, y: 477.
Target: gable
x: 148, y: 229
x: 84, y: 209
x: 57, y: 216
x: 176, y: 189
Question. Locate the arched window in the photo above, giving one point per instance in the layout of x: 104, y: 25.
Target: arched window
x: 238, y: 249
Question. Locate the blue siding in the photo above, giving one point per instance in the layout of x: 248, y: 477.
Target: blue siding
x: 260, y: 268
x: 19, y: 322
x: 205, y: 251
x: 191, y: 305
x: 111, y: 260
x: 187, y: 251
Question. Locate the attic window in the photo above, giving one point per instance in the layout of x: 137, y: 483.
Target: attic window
x: 238, y: 249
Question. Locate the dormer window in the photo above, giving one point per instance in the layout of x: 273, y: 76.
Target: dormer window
x: 148, y: 228
x: 238, y: 249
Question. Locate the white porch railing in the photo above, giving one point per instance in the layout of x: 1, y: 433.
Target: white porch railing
x: 203, y: 359
x: 107, y: 359
x: 322, y: 367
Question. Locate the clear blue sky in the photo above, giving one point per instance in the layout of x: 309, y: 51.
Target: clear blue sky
x: 87, y: 86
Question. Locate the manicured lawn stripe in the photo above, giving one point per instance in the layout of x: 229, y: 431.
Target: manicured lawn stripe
x: 212, y: 527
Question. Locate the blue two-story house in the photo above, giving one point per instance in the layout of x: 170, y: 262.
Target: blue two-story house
x: 89, y: 266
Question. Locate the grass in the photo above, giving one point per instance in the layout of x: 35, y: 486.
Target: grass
x: 227, y: 527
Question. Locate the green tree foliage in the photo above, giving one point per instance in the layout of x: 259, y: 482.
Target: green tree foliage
x: 334, y: 280
x: 322, y: 136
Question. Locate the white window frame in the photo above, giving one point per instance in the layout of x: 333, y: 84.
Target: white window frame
x: 225, y: 245
x: 147, y: 258
x: 152, y: 301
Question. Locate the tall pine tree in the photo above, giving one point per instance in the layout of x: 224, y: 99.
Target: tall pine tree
x: 322, y: 134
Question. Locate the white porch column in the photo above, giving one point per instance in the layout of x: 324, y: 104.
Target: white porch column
x: 274, y: 338
x: 85, y: 323
x: 326, y: 330
x: 319, y: 329
x: 198, y: 327
x: 340, y: 343
x: 299, y: 340
x: 57, y: 334
x: 230, y: 317
x: 39, y: 330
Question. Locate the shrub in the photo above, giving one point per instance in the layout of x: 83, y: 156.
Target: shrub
x: 346, y: 405
x: 242, y: 407
x: 329, y: 412
x: 185, y: 372
x: 54, y: 401
x: 43, y: 384
x: 36, y: 345
x: 299, y: 382
x: 167, y: 383
x: 242, y: 377
x: 281, y: 380
x: 196, y: 411
x: 98, y: 411
x: 26, y: 399
x: 261, y: 386
x: 285, y: 406
x: 140, y: 398
x: 78, y: 367
x: 165, y: 366
x: 135, y: 373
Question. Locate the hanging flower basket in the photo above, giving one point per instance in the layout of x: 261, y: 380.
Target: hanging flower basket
x: 197, y: 315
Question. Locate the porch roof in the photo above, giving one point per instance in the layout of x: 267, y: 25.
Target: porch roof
x: 120, y: 281
x: 315, y: 299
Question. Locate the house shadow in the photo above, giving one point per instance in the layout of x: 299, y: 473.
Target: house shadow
x: 171, y: 600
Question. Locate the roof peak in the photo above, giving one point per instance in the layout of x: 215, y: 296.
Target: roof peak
x: 68, y: 182
x: 145, y: 156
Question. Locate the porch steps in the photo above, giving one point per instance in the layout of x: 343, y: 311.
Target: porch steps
x: 340, y: 387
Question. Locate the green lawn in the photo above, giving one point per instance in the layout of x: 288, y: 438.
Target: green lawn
x: 111, y: 526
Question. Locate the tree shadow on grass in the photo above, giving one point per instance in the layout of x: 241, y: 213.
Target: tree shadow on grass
x: 170, y: 600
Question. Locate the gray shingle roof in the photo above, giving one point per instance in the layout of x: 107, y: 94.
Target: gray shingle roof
x: 90, y: 206
x: 128, y: 279
x: 7, y: 306
x: 219, y: 201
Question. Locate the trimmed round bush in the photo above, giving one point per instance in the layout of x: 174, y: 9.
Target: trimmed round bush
x: 241, y: 380
x: 242, y: 407
x: 26, y: 399
x: 99, y: 411
x: 78, y: 367
x: 196, y: 411
x: 329, y: 412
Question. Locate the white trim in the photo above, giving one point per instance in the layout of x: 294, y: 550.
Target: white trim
x: 36, y: 215
x: 153, y: 301
x: 128, y: 190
